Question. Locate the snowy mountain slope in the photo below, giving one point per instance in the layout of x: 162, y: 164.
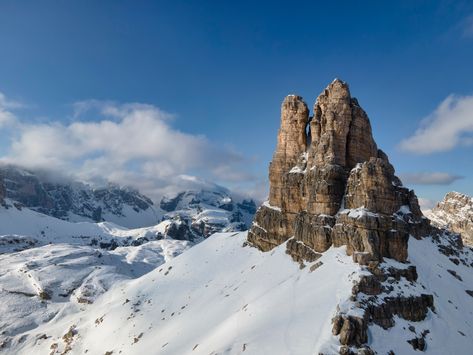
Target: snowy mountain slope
x: 448, y: 328
x: 43, y: 229
x: 223, y: 298
x: 456, y: 213
x: 75, y: 201
x: 252, y: 302
x: 39, y: 283
x: 49, y: 266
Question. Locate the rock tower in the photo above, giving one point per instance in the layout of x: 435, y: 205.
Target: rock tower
x: 331, y: 185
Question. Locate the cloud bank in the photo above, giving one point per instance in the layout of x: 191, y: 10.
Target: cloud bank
x: 425, y: 178
x: 449, y: 126
x: 130, y: 144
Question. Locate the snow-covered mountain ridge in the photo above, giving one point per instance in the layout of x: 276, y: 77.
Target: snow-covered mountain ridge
x: 195, y: 212
x: 455, y: 212
x: 204, y: 212
x: 75, y: 201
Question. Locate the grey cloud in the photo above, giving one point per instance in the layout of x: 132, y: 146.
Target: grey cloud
x: 432, y: 178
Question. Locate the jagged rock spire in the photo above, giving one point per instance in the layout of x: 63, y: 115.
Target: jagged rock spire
x: 292, y: 142
x: 334, y: 187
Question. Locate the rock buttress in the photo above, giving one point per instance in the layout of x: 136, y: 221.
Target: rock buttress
x: 331, y: 185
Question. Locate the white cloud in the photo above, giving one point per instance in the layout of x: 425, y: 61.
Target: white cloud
x: 6, y: 116
x: 449, y: 126
x: 426, y: 204
x: 132, y: 144
x: 433, y: 178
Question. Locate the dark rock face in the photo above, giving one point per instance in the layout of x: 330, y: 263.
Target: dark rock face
x: 248, y: 206
x: 179, y: 230
x: 170, y: 204
x: 61, y: 199
x: 2, y: 189
x: 332, y: 186
x: 412, y: 308
x: 207, y: 211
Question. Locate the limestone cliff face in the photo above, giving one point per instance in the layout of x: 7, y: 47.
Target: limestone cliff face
x: 330, y: 185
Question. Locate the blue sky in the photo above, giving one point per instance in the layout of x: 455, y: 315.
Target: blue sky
x: 214, y: 74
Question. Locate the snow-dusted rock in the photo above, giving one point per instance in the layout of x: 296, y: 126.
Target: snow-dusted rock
x: 455, y: 212
x: 200, y: 213
x: 76, y: 201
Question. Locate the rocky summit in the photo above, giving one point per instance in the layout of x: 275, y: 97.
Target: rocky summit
x: 330, y: 185
x: 455, y: 212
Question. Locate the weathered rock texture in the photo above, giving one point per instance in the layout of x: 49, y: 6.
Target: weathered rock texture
x: 2, y: 189
x: 455, y: 212
x: 331, y: 185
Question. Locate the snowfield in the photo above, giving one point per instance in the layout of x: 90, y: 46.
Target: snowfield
x: 61, y: 294
x: 217, y: 297
x: 50, y: 267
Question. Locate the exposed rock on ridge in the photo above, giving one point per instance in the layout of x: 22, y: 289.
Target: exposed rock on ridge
x: 455, y: 212
x: 331, y: 185
x: 71, y: 200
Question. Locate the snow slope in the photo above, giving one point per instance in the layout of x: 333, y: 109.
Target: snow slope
x: 218, y: 297
x: 61, y: 291
x: 23, y: 222
x: 450, y: 326
x: 221, y: 297
x: 49, y: 266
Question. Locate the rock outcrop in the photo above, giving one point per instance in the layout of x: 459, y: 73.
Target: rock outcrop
x: 199, y: 213
x: 455, y: 212
x: 331, y: 185
x: 3, y: 191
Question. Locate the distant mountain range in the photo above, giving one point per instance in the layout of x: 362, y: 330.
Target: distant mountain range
x: 194, y: 213
x: 64, y: 243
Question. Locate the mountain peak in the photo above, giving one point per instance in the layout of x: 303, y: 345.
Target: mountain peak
x: 455, y: 212
x: 337, y: 89
x: 332, y: 187
x: 315, y: 174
